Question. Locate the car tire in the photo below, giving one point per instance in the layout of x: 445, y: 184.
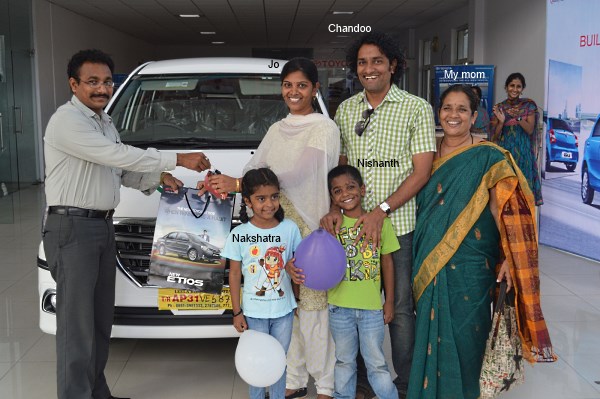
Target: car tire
x: 547, y: 161
x: 571, y: 166
x: 192, y: 255
x: 587, y: 192
x: 161, y: 250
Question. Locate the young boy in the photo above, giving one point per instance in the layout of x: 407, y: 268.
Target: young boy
x: 356, y: 316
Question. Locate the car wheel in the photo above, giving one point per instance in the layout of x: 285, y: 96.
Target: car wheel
x: 192, y: 255
x: 161, y: 250
x: 547, y: 161
x: 570, y: 166
x: 587, y: 192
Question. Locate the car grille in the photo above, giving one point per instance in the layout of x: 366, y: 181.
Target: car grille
x: 134, y: 245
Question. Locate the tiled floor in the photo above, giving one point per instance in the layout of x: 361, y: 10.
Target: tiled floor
x: 153, y: 369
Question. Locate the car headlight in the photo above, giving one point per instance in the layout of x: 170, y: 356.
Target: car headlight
x: 49, y: 301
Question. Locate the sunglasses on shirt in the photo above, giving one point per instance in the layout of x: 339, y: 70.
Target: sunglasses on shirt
x: 361, y: 126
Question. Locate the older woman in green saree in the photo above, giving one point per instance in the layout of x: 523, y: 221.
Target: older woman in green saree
x: 475, y: 227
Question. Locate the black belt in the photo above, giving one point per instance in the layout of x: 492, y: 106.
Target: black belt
x: 87, y: 213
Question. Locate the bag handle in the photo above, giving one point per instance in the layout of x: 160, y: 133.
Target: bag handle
x: 205, y: 205
x: 503, y: 298
x: 499, y: 308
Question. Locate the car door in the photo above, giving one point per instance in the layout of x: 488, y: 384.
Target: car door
x: 183, y: 242
x: 171, y: 242
x: 592, y: 149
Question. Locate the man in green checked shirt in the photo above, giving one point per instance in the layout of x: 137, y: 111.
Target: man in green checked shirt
x: 389, y: 135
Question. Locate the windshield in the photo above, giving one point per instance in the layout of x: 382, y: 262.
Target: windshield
x: 560, y: 124
x: 196, y: 111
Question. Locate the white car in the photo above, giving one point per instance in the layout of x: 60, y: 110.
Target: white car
x: 221, y: 106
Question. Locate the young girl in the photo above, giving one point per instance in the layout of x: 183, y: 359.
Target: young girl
x: 259, y: 249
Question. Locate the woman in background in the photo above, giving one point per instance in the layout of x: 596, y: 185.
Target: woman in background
x: 513, y: 125
x: 482, y: 123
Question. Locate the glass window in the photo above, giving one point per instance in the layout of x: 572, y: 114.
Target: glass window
x: 596, y: 132
x: 426, y: 71
x: 426, y: 52
x: 462, y: 45
x: 560, y: 124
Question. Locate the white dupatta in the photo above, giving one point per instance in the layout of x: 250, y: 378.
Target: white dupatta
x: 301, y: 150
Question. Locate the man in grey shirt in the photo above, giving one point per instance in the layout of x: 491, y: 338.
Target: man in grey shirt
x: 86, y: 163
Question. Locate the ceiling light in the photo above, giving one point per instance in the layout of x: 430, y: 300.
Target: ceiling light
x: 343, y: 12
x: 208, y: 33
x: 189, y: 15
x: 218, y: 42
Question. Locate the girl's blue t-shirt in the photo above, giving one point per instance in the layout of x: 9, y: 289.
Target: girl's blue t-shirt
x: 263, y: 253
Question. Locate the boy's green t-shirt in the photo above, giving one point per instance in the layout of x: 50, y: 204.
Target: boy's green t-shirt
x: 361, y: 286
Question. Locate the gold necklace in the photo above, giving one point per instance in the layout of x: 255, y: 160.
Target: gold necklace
x: 453, y: 146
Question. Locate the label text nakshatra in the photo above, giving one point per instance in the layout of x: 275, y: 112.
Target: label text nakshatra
x: 255, y: 238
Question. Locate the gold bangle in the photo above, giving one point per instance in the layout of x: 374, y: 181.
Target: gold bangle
x: 237, y: 185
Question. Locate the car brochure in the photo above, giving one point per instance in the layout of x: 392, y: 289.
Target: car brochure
x: 190, y: 234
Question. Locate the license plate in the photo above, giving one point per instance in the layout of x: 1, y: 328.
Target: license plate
x: 172, y: 298
x: 566, y: 154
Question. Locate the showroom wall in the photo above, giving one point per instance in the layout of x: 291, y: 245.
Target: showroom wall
x: 515, y: 41
x: 58, y: 34
x: 442, y: 29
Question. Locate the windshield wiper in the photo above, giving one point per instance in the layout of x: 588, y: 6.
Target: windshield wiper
x: 188, y: 142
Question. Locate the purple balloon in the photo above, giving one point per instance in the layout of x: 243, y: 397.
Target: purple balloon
x: 322, y: 259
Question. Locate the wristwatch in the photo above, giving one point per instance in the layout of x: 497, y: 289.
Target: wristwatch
x: 384, y: 206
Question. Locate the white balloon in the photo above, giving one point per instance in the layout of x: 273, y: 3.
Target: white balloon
x: 259, y: 358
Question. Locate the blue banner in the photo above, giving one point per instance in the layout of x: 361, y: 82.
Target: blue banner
x: 474, y: 75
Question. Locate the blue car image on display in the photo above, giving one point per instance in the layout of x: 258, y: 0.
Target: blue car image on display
x: 590, y: 167
x: 561, y: 144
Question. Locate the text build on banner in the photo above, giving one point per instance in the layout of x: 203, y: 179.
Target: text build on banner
x: 190, y: 233
x: 474, y: 75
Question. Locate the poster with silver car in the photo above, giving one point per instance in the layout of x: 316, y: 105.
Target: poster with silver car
x: 190, y: 233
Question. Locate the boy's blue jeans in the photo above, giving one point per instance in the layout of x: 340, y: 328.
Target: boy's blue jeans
x: 350, y: 329
x: 281, y: 329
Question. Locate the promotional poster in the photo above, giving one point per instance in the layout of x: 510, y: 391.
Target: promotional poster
x: 190, y: 233
x: 570, y: 216
x: 474, y: 75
